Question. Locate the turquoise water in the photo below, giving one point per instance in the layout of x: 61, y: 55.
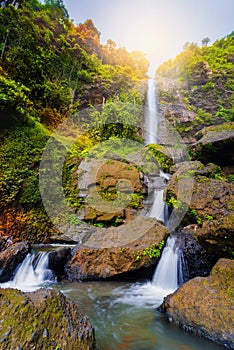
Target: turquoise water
x: 125, y: 317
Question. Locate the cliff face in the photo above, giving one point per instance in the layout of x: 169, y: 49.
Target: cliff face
x: 196, y: 98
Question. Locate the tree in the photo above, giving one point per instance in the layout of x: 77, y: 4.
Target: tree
x: 205, y: 41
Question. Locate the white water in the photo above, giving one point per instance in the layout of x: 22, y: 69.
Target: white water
x: 151, y: 118
x: 159, y: 210
x: 166, y: 274
x: 32, y: 274
x: 165, y: 280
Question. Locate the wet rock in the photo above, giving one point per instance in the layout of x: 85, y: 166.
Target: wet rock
x: 204, y: 305
x: 102, y: 257
x: 57, y: 259
x: 209, y: 217
x: 195, y: 258
x: 48, y: 320
x: 10, y: 258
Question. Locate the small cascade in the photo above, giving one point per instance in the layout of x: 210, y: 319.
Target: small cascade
x: 168, y: 268
x: 159, y: 210
x: 32, y: 273
x: 167, y: 278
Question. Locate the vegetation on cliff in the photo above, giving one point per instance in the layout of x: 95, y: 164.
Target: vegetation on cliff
x: 200, y: 81
x: 49, y: 70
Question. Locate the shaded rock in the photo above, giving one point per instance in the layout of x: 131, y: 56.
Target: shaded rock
x: 215, y: 144
x: 57, y: 260
x: 196, y: 261
x: 10, y: 258
x: 127, y: 260
x: 204, y: 305
x: 44, y: 320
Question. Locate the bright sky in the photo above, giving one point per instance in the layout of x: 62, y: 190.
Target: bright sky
x: 160, y: 28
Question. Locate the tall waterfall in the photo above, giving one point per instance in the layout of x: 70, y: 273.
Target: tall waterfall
x: 151, y: 118
x: 158, y: 210
x: 32, y: 273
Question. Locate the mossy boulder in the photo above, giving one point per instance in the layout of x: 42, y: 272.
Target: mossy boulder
x: 136, y: 257
x: 44, y: 320
x: 215, y: 144
x: 209, y: 216
x: 204, y: 305
x: 211, y: 193
x: 217, y: 236
x: 106, y: 187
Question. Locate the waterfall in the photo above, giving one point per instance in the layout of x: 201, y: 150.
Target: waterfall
x: 166, y: 276
x: 32, y: 273
x: 151, y: 118
x: 158, y: 210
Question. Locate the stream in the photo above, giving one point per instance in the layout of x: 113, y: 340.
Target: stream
x: 124, y: 316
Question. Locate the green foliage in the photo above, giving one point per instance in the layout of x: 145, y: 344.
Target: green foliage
x: 203, y: 76
x: 116, y: 119
x: 153, y: 252
x: 159, y: 152
x: 14, y: 103
x: 49, y: 61
x: 194, y: 215
x: 173, y: 202
x: 19, y: 154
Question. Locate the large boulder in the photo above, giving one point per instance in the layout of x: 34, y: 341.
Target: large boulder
x: 217, y: 236
x: 10, y: 258
x: 215, y: 144
x: 43, y: 320
x: 210, y: 210
x: 204, y: 305
x: 211, y: 194
x: 127, y: 261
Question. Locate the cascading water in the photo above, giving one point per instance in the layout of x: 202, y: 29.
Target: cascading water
x: 32, y: 273
x: 158, y: 210
x: 167, y: 278
x: 151, y: 119
x: 166, y: 273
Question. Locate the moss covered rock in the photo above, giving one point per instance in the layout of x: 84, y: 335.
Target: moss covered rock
x: 127, y: 261
x: 204, y: 305
x: 215, y: 144
x: 217, y: 236
x: 44, y: 320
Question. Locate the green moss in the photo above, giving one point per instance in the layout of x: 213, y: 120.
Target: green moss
x: 159, y: 154
x: 153, y: 252
x: 193, y: 214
